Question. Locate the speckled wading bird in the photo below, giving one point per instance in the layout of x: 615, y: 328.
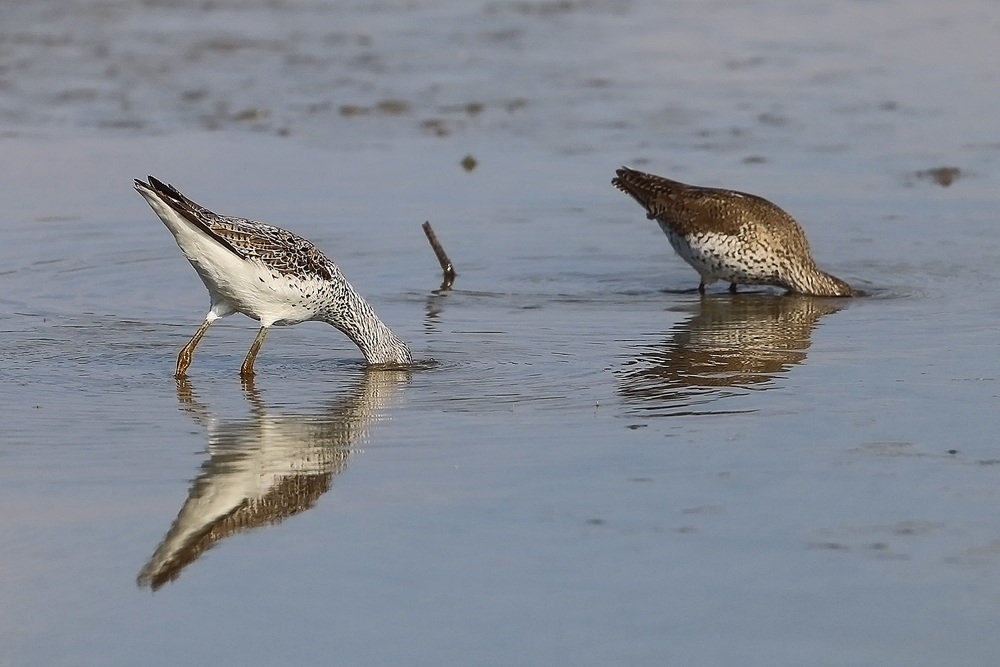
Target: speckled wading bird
x: 268, y: 274
x: 732, y: 236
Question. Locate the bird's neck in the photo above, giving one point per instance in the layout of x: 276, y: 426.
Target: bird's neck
x: 820, y: 283
x: 351, y: 314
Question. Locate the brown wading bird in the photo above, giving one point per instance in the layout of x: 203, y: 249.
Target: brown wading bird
x: 732, y: 236
x: 268, y: 274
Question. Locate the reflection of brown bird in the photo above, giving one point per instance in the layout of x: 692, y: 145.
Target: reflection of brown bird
x: 265, y: 469
x: 732, y: 236
x: 732, y: 343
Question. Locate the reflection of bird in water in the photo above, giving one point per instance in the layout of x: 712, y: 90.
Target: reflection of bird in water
x: 268, y: 274
x: 732, y: 343
x: 264, y: 469
x: 732, y: 236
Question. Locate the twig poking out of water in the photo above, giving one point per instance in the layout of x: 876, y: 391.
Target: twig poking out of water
x: 449, y: 270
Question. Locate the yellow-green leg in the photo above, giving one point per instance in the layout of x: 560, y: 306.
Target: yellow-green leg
x: 187, y: 352
x: 247, y: 370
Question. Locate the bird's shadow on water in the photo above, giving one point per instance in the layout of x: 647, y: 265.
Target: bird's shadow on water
x: 263, y: 469
x: 732, y: 344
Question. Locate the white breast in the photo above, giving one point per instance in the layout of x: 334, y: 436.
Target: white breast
x: 722, y: 257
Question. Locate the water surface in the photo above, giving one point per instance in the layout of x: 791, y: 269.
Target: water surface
x: 593, y: 464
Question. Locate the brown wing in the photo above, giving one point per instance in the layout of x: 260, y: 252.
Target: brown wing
x: 196, y: 214
x: 277, y: 248
x: 687, y: 209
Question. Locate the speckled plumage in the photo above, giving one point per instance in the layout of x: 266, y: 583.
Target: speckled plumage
x: 268, y: 274
x: 732, y: 236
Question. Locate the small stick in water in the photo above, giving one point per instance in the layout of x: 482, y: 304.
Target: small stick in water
x: 449, y: 270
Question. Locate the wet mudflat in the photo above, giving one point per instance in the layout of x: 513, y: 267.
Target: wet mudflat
x: 595, y: 465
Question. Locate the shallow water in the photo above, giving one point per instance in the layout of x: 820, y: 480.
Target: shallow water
x: 592, y: 464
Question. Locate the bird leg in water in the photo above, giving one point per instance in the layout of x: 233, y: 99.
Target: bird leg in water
x: 184, y: 358
x: 247, y: 370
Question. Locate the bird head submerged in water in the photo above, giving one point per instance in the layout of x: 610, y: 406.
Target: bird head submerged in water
x: 269, y: 274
